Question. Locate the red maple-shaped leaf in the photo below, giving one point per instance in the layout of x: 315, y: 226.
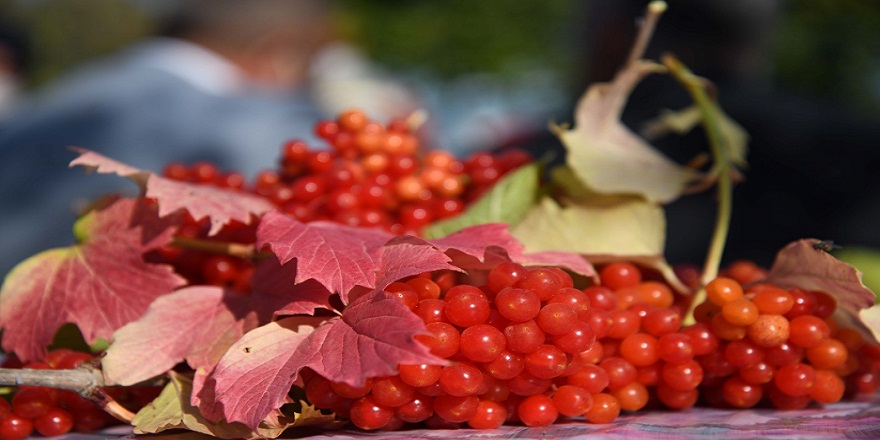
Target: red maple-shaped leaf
x: 220, y: 205
x: 372, y: 337
x: 567, y: 260
x: 805, y: 265
x: 196, y: 324
x: 275, y: 294
x: 100, y: 284
x: 339, y: 257
x: 255, y: 375
x: 481, y: 243
x: 342, y: 258
x: 402, y: 260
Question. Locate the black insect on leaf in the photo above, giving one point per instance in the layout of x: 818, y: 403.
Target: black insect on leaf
x: 825, y: 245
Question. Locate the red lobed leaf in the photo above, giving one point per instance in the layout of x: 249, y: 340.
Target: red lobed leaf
x: 100, y: 284
x: 255, y: 375
x: 481, y: 242
x: 197, y: 324
x: 802, y: 265
x: 372, y: 337
x: 567, y: 260
x: 275, y: 294
x: 398, y: 261
x: 220, y: 205
x: 337, y: 256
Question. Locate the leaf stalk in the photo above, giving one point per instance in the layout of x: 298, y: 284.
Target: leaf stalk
x: 722, y: 170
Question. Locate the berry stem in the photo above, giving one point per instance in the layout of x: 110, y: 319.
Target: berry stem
x: 85, y: 380
x: 721, y: 169
x: 245, y: 251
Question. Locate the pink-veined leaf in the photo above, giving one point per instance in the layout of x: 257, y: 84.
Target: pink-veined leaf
x: 374, y: 334
x: 476, y: 241
x: 475, y: 247
x: 372, y: 337
x: 100, y: 284
x: 255, y: 375
x: 104, y: 165
x: 563, y: 259
x: 221, y: 206
x: 801, y: 265
x: 197, y: 324
x: 275, y: 294
x: 398, y: 261
x: 339, y: 257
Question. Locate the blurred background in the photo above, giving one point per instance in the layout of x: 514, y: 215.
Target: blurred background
x: 803, y: 78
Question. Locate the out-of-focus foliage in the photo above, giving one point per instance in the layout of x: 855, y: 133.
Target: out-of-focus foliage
x: 832, y: 48
x: 462, y: 36
x: 64, y: 33
x: 824, y: 47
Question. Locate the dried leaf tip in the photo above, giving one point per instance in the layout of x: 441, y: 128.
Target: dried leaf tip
x: 652, y: 15
x: 657, y: 7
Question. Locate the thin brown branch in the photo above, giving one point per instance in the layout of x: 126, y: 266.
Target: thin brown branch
x: 80, y: 380
x: 85, y: 380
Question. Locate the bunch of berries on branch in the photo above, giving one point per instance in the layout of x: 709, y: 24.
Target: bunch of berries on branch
x: 528, y: 347
x: 368, y: 174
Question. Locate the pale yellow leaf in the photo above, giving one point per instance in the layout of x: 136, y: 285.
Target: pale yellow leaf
x: 608, y: 157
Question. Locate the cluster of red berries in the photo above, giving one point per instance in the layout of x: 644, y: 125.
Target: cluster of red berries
x: 369, y: 174
x: 49, y: 411
x: 528, y: 347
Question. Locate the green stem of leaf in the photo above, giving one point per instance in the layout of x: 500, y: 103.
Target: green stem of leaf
x: 722, y: 169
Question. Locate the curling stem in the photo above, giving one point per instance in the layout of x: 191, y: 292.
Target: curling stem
x: 721, y: 167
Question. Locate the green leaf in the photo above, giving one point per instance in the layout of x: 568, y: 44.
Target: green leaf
x: 507, y: 202
x: 611, y: 159
x: 602, y: 228
x: 172, y: 410
x: 685, y: 120
x: 614, y: 226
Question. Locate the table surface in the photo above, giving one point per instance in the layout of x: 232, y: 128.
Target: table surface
x: 847, y: 420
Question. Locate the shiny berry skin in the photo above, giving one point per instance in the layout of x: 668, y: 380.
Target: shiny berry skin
x: 55, y: 422
x: 505, y: 275
x: 722, y: 290
x: 489, y: 415
x: 366, y: 414
x: 605, y: 409
x: 416, y: 410
x: 467, y: 310
x: 460, y: 379
x: 578, y: 340
x: 543, y: 282
x: 15, y: 427
x: 537, y: 410
x: 517, y: 305
x: 741, y: 394
x: 547, y: 362
x: 32, y: 402
x: 482, y: 343
x: 620, y: 275
x: 420, y: 375
x: 457, y: 409
x: 795, y: 380
x: 572, y: 401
